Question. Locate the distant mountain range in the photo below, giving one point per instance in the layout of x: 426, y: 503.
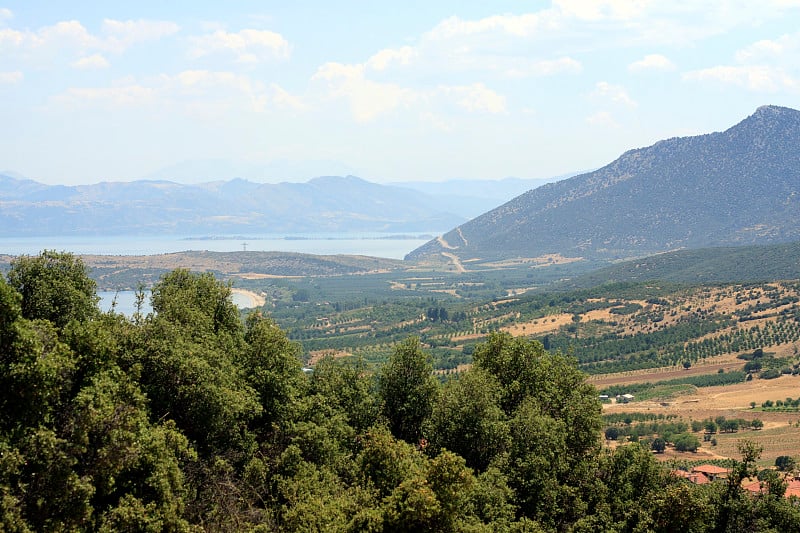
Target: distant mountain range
x: 238, y: 206
x: 321, y: 205
x: 732, y: 188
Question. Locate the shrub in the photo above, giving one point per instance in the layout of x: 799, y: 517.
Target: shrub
x: 659, y: 445
x: 686, y: 443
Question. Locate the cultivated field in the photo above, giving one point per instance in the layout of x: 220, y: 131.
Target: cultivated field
x: 781, y: 432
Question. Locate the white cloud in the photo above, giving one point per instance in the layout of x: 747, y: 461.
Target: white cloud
x: 5, y: 14
x: 72, y: 37
x: 549, y: 67
x: 94, y: 61
x: 200, y: 93
x: 569, y: 26
x: 764, y: 66
x: 65, y: 33
x: 518, y: 25
x: 248, y: 46
x: 368, y: 99
x: 11, y: 77
x: 652, y: 62
x: 435, y: 121
x: 107, y: 97
x: 11, y: 38
x: 758, y: 78
x: 616, y: 93
x: 597, y: 10
x: 224, y: 88
x: 389, y: 56
x: 477, y: 98
x: 122, y: 34
x: 602, y: 119
x: 210, y: 93
x: 284, y: 99
x: 782, y: 48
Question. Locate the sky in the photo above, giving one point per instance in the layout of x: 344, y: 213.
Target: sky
x: 274, y: 91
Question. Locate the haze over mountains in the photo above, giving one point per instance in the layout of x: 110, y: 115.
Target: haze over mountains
x: 325, y: 204
x: 737, y: 187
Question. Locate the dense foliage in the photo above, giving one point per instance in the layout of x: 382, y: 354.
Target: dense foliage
x: 189, y: 419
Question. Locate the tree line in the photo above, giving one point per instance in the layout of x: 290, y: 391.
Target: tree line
x: 192, y: 419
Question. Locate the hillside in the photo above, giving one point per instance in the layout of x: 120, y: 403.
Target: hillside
x: 737, y: 187
x: 121, y: 272
x: 703, y: 265
x: 325, y: 204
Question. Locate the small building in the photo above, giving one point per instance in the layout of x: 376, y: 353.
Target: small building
x: 624, y: 398
x: 712, y: 472
x: 698, y: 478
x: 792, y: 489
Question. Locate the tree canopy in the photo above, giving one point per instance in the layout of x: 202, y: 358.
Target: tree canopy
x: 193, y: 418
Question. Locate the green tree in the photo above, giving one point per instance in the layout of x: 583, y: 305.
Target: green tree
x: 36, y: 368
x: 271, y: 365
x: 468, y: 419
x: 408, y: 390
x: 525, y: 370
x: 350, y: 388
x: 658, y: 445
x: 55, y: 286
x: 188, y: 355
x: 686, y: 442
x: 784, y: 463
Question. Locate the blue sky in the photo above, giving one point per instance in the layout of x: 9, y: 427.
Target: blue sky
x: 283, y: 91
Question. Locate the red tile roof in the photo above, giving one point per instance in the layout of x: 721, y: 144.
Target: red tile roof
x: 792, y: 489
x: 710, y: 469
x: 698, y: 478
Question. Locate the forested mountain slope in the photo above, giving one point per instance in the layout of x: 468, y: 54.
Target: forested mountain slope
x: 737, y: 187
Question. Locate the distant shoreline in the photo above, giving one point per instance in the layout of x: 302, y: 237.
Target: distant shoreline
x: 342, y: 237
x: 256, y: 300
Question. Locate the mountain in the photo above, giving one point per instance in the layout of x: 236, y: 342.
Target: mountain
x: 196, y: 171
x: 321, y: 205
x: 470, y: 198
x: 731, y: 188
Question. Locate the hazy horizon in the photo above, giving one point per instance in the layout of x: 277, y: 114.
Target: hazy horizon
x: 426, y: 91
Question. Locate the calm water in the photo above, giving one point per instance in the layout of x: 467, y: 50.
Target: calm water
x: 373, y: 244
x: 126, y: 301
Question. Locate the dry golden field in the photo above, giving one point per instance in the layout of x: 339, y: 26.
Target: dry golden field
x: 781, y: 432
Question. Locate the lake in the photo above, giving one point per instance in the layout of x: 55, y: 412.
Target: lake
x: 392, y: 246
x: 388, y: 245
x: 126, y: 301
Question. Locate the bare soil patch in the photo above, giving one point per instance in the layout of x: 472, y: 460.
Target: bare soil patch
x: 540, y: 325
x: 316, y: 356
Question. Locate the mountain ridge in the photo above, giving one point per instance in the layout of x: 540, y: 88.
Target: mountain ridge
x: 329, y: 204
x: 735, y: 187
x: 322, y: 204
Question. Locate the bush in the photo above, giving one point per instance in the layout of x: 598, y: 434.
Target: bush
x: 686, y: 443
x: 771, y: 373
x: 612, y: 433
x: 659, y: 445
x: 784, y: 463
